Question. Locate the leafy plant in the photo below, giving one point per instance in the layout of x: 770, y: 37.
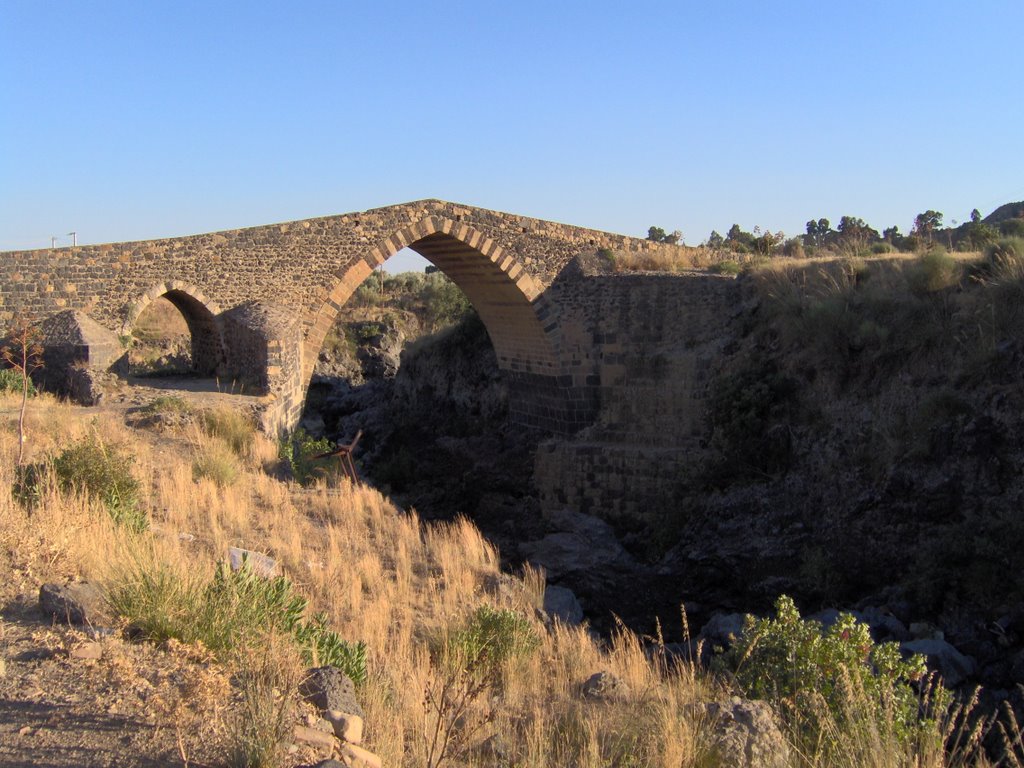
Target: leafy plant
x: 298, y: 451
x: 470, y: 661
x: 12, y: 381
x: 228, y: 611
x: 104, y: 473
x: 801, y: 668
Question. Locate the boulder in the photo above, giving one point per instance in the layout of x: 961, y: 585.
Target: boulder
x: 75, y: 603
x: 746, y: 734
x: 580, y: 544
x: 327, y: 688
x: 722, y: 629
x: 561, y: 603
x: 347, y: 727
x: 261, y: 565
x: 603, y: 685
x: 954, y: 667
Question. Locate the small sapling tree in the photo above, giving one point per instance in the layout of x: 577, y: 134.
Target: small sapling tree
x: 23, y: 353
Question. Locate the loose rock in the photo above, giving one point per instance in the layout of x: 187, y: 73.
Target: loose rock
x: 75, y: 603
x: 357, y: 757
x: 314, y: 736
x: 603, y: 685
x: 347, y: 727
x: 561, y: 603
x: 90, y: 651
x: 327, y: 688
x: 954, y: 667
x: 747, y: 734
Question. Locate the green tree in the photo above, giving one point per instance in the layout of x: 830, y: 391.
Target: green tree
x: 656, y: 234
x: 818, y: 231
x: 715, y: 240
x: 926, y: 223
x: 975, y: 216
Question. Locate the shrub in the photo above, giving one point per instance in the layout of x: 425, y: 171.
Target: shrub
x: 882, y: 247
x: 226, y: 612
x: 727, y: 267
x: 813, y: 676
x: 298, y: 450
x: 234, y: 428
x: 747, y: 413
x: 934, y: 271
x: 167, y: 404
x: 488, y: 639
x: 11, y: 381
x: 1012, y: 228
x: 216, y: 461
x: 470, y: 660
x: 104, y: 473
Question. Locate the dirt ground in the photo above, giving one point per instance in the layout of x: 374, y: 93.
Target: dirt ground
x: 135, y: 705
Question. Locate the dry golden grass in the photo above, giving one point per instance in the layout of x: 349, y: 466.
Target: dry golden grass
x: 389, y: 580
x: 382, y: 576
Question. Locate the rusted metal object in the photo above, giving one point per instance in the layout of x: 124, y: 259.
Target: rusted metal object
x: 344, y: 454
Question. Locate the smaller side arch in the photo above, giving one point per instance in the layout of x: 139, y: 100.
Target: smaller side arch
x: 200, y: 315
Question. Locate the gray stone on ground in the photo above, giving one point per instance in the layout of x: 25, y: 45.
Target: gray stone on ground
x: 722, y: 629
x: 561, y: 603
x: 954, y: 667
x: 76, y: 603
x: 603, y: 685
x: 261, y: 565
x: 746, y: 734
x: 328, y: 688
x: 581, y: 543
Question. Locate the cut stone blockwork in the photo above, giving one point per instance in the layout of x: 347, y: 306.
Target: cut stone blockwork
x: 306, y: 270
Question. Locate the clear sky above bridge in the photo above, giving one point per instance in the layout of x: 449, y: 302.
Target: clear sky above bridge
x: 132, y: 120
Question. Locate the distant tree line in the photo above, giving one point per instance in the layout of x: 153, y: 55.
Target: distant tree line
x: 853, y: 236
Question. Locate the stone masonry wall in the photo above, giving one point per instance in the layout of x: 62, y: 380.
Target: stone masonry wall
x: 646, y: 345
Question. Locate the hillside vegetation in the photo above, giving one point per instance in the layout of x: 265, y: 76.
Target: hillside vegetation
x: 460, y: 667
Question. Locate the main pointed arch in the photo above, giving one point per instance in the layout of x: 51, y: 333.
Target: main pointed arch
x: 200, y: 316
x: 506, y: 297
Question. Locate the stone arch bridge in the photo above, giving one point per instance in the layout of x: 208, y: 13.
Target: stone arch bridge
x: 259, y: 301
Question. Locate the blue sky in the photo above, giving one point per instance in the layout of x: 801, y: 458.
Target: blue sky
x: 137, y: 120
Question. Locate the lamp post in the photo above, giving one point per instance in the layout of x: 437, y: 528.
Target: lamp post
x: 74, y: 238
x: 53, y: 241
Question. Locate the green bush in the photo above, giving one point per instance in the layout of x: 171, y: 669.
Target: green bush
x: 298, y: 450
x: 800, y: 668
x: 488, y: 639
x: 11, y: 381
x: 882, y: 247
x: 727, y: 267
x: 234, y: 428
x: 104, y: 473
x: 229, y: 611
x: 748, y: 413
x: 167, y: 404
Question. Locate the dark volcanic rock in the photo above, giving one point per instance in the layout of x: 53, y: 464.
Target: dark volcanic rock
x: 75, y: 603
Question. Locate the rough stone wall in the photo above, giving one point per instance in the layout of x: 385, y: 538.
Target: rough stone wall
x: 263, y: 349
x: 642, y: 348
